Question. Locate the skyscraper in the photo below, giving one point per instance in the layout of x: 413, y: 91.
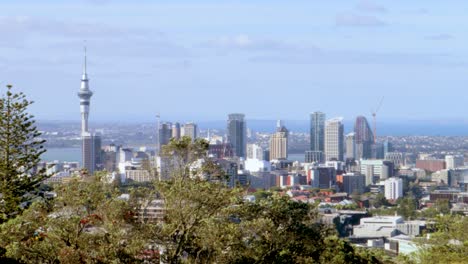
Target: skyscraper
x: 279, y: 143
x: 90, y: 144
x: 364, y: 138
x: 236, y: 133
x: 190, y: 130
x: 351, y: 146
x: 334, y: 139
x: 87, y: 152
x: 176, y: 130
x: 165, y: 133
x: 317, y: 131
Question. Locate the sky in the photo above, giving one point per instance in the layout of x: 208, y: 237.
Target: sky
x: 200, y: 60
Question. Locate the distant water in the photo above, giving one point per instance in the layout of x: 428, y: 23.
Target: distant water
x: 74, y: 154
x: 297, y: 157
x: 62, y: 154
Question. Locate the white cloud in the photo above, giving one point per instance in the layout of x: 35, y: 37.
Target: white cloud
x: 249, y: 43
x: 370, y: 6
x: 353, y: 20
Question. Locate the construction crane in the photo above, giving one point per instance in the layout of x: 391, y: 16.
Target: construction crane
x: 374, y: 117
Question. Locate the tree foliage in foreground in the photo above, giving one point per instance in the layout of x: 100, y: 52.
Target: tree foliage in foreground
x: 204, y: 222
x: 20, y: 151
x: 448, y: 244
x: 86, y: 223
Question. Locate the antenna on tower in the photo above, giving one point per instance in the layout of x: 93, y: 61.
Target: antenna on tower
x: 84, y: 44
x: 374, y: 117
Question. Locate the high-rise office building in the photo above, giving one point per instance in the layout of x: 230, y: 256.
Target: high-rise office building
x: 364, y: 138
x: 351, y: 146
x: 90, y: 144
x: 279, y: 143
x: 254, y: 151
x: 190, y: 130
x: 236, y: 133
x: 165, y: 133
x: 334, y: 139
x: 317, y: 131
x: 87, y: 151
x: 98, y: 155
x: 176, y: 130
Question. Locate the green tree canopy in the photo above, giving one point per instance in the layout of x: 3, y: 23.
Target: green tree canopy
x: 20, y: 151
x: 86, y: 223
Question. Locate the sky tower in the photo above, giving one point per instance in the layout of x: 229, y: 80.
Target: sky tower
x: 85, y: 97
x: 91, y: 144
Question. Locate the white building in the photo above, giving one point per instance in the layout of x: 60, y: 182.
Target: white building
x: 138, y: 176
x: 256, y: 165
x: 393, y: 188
x: 454, y: 161
x: 334, y: 139
x: 387, y: 226
x: 254, y: 151
x: 378, y: 226
x: 381, y: 169
x: 351, y: 145
x: 338, y: 165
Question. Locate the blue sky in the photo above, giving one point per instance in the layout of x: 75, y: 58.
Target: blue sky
x: 200, y: 60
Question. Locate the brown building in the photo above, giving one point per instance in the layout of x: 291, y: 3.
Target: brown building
x: 431, y: 165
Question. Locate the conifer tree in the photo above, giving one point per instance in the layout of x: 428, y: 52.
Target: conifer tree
x: 20, y: 151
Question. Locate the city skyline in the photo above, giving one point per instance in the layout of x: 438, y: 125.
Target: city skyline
x: 158, y: 54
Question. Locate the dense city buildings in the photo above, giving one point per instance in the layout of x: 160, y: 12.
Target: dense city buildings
x: 236, y: 133
x: 334, y: 139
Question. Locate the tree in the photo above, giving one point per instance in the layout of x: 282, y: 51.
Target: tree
x: 20, y: 151
x: 86, y: 223
x: 193, y: 208
x: 442, y: 206
x: 379, y: 201
x: 449, y: 242
x: 277, y: 229
x: 182, y: 153
x: 407, y: 207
